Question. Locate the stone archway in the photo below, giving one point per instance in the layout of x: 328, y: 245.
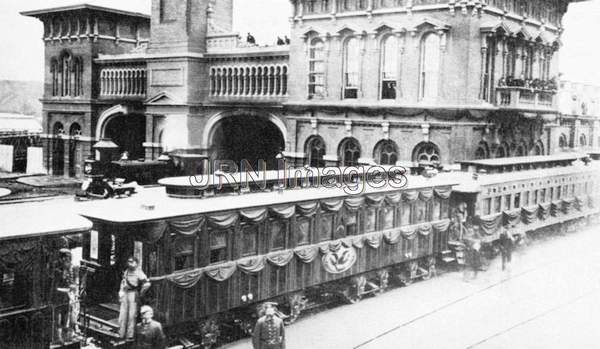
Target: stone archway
x: 249, y: 136
x: 125, y: 128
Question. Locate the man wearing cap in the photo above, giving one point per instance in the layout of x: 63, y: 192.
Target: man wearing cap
x: 149, y: 333
x: 269, y: 332
x: 134, y: 284
x: 65, y: 281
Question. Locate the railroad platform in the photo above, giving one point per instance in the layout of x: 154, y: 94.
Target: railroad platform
x: 550, y: 299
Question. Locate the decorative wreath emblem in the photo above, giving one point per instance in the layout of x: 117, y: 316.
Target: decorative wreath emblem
x: 339, y: 261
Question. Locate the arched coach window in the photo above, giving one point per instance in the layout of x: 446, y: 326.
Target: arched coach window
x: 316, y: 69
x: 386, y: 153
x: 563, y: 142
x: 582, y: 141
x: 389, y: 67
x: 351, y: 68
x: 349, y: 152
x: 315, y: 151
x: 520, y: 150
x: 430, y: 66
x: 428, y: 153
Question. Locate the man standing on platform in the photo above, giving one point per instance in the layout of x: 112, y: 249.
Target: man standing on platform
x: 133, y: 286
x: 269, y: 332
x: 65, y: 288
x: 149, y: 333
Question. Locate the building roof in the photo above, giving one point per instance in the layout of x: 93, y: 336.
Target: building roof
x: 84, y: 6
x: 521, y: 160
x: 42, y: 219
x: 12, y: 123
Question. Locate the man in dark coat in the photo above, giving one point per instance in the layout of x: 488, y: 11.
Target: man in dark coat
x: 507, y: 244
x: 269, y: 332
x: 149, y: 333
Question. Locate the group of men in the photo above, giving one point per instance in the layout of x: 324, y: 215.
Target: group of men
x: 147, y: 334
x: 473, y: 253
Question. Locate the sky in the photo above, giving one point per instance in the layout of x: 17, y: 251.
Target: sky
x: 21, y: 47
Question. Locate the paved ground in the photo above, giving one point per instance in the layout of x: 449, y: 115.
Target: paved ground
x: 551, y: 299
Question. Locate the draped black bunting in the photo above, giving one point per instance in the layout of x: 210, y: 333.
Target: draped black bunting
x: 251, y: 265
x: 307, y: 208
x: 283, y: 211
x: 354, y: 203
x: 152, y: 232
x: 375, y: 199
x: 409, y: 233
x: 441, y: 226
x: 512, y: 218
x: 578, y: 203
x: 426, y: 194
x: 254, y: 215
x: 188, y: 226
x: 544, y: 211
x: 332, y: 205
x: 410, y: 196
x: 567, y: 205
x: 187, y: 279
x: 443, y: 193
x: 374, y: 240
x: 530, y: 214
x: 489, y: 225
x: 393, y: 198
x: 392, y: 237
x: 555, y: 208
x: 424, y: 229
x: 223, y: 220
x: 307, y: 254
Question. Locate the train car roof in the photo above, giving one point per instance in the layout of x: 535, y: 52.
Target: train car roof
x: 474, y: 185
x: 135, y: 209
x: 29, y: 220
x: 525, y: 160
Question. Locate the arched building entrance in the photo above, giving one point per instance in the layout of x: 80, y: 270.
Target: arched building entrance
x: 128, y: 132
x: 251, y: 137
x: 58, y: 150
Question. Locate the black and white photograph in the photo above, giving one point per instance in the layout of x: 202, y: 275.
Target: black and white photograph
x: 299, y: 174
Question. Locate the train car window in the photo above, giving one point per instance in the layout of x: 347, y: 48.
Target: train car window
x: 13, y: 294
x: 326, y: 227
x: 507, y: 202
x: 542, y: 197
x: 278, y: 277
x: 218, y: 246
x: 350, y: 225
x: 437, y: 209
x: 303, y: 228
x: 487, y: 206
x: 517, y: 200
x: 183, y: 252
x: 497, y: 204
x: 388, y: 217
x: 445, y: 211
x: 551, y: 193
x: 558, y: 192
x: 250, y: 240
x: 278, y: 235
x: 534, y: 197
x: 371, y: 219
x: 421, y: 214
x: 405, y: 214
x: 572, y: 189
x: 526, y: 199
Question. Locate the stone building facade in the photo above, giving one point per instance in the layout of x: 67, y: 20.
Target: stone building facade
x: 361, y: 82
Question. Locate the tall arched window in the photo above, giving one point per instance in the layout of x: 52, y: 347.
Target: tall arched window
x: 315, y: 152
x: 582, y: 141
x: 427, y: 153
x: 389, y: 67
x: 54, y: 70
x: 430, y: 66
x: 351, y: 68
x: 538, y: 148
x: 77, y: 77
x: 316, y: 69
x: 386, y: 153
x: 349, y: 152
x: 482, y: 151
x: 563, y: 142
x: 65, y: 69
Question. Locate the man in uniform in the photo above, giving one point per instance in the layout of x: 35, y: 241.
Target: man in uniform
x: 149, y: 333
x: 134, y: 285
x: 269, y: 332
x: 507, y: 244
x: 65, y: 281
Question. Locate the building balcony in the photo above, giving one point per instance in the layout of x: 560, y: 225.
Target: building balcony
x: 123, y: 82
x: 249, y: 83
x: 525, y: 98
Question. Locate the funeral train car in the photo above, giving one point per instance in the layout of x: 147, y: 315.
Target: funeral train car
x: 213, y: 260
x: 30, y: 241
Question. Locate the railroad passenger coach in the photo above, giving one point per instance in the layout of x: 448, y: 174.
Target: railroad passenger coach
x: 212, y: 260
x: 529, y: 194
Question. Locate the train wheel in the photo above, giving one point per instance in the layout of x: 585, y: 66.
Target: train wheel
x: 430, y: 267
x: 384, y: 280
x: 297, y: 302
x: 353, y: 292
